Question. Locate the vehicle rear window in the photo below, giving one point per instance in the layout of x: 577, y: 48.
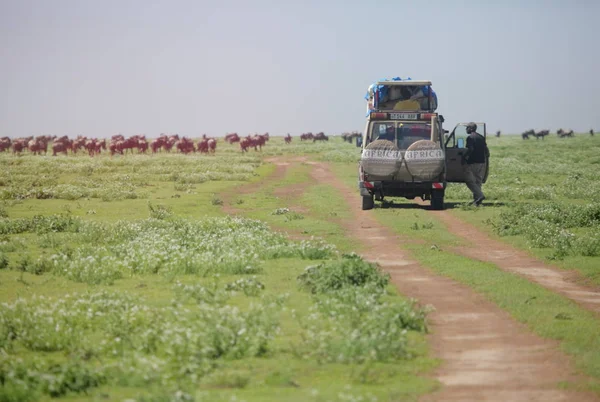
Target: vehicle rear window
x: 409, y: 133
x: 402, y: 134
x: 384, y: 131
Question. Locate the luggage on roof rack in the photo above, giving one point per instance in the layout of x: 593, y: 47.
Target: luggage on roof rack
x: 403, y: 95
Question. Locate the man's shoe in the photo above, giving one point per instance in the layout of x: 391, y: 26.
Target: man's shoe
x: 479, y: 200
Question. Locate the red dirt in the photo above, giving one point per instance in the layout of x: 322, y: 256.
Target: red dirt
x: 519, y: 262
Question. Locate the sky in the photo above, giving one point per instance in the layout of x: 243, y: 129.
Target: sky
x: 98, y: 68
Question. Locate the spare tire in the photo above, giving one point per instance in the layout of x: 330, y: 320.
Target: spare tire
x: 381, y: 158
x: 424, y: 160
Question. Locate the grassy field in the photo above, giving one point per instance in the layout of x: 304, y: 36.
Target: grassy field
x: 124, y: 278
x: 545, y: 205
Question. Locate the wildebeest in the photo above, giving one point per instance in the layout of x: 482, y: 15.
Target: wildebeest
x: 527, y: 133
x: 306, y: 136
x: 38, y: 145
x: 320, y: 137
x: 5, y: 144
x: 592, y: 132
x: 185, y: 146
x: 288, y: 138
x: 212, y: 145
x: 562, y: 133
x: 61, y: 145
x: 541, y: 134
x: 246, y: 143
x: 20, y: 144
x: 348, y: 137
x: 498, y: 133
x: 259, y: 140
x: 232, y: 137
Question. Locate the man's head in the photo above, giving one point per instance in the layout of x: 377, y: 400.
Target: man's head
x: 471, y: 128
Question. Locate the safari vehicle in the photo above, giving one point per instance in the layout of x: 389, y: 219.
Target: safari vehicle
x: 407, y: 153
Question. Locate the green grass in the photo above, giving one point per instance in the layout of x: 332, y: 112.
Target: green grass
x: 192, y: 188
x: 282, y: 373
x: 521, y: 172
x: 278, y: 375
x: 544, y: 312
x: 323, y: 203
x: 586, y: 266
x: 535, y: 172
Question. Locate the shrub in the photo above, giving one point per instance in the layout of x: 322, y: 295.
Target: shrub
x: 350, y: 270
x: 355, y: 325
x: 53, y: 379
x: 159, y: 211
x: 200, y: 293
x: 546, y: 226
x: 250, y: 286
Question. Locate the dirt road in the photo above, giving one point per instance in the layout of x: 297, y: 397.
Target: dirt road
x: 519, y: 262
x: 487, y: 355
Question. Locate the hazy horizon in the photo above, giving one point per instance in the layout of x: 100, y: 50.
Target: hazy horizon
x: 194, y: 67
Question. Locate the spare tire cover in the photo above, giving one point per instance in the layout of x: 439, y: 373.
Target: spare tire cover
x: 381, y: 158
x: 424, y: 159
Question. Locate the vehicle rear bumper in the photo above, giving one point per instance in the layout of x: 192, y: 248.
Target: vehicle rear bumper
x: 399, y: 188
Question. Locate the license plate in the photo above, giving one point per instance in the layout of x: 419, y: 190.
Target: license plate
x: 404, y: 116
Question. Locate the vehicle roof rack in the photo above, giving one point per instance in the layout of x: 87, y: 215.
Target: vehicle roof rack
x: 405, y: 83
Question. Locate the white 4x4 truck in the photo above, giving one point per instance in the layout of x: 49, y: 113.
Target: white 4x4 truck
x: 405, y: 150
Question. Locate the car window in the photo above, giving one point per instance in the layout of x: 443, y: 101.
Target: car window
x: 460, y: 136
x: 411, y: 133
x: 383, y: 131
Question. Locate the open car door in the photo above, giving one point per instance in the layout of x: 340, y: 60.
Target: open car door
x: 456, y: 146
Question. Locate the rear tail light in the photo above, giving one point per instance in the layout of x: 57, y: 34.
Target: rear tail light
x: 379, y: 115
x: 427, y: 116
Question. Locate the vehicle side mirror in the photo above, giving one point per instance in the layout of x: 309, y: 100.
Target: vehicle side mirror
x: 460, y: 143
x: 447, y: 131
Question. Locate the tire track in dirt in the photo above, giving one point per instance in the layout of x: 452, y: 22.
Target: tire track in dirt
x: 487, y: 355
x: 516, y: 261
x: 281, y: 167
x: 250, y: 188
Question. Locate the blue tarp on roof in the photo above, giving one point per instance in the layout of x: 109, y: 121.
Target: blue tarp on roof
x: 381, y: 91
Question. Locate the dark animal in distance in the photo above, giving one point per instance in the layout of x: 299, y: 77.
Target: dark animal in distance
x: 306, y: 136
x: 527, y: 133
x: 320, y: 137
x: 562, y: 133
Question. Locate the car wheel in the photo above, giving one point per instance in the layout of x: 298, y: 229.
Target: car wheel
x: 367, y: 202
x: 437, y: 200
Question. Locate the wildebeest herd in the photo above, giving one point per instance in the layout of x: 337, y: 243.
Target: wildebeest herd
x: 314, y: 137
x: 543, y: 133
x: 349, y: 136
x: 118, y: 144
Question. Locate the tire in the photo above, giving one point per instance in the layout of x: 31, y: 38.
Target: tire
x: 437, y: 200
x: 381, y: 158
x: 367, y: 202
x: 424, y: 168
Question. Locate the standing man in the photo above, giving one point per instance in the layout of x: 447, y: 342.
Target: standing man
x: 474, y: 161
